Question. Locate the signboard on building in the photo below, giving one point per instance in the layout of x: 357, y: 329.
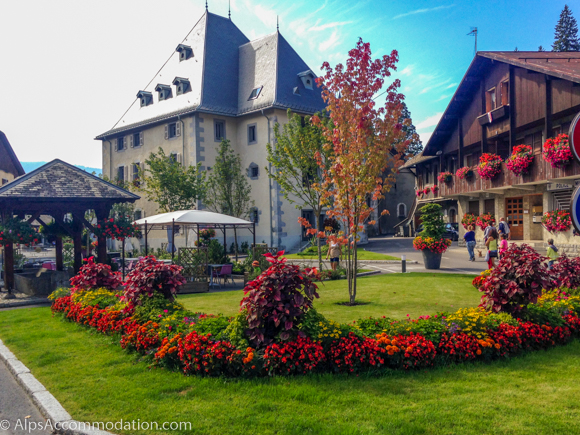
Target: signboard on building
x: 562, y: 186
x: 575, y: 208
x: 574, y: 137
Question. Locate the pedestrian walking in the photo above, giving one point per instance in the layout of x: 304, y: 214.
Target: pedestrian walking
x: 488, y: 231
x: 552, y: 253
x: 469, y: 238
x: 492, y: 244
x: 504, y: 228
x: 503, y: 244
x: 335, y: 254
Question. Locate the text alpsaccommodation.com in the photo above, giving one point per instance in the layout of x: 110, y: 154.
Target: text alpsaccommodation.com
x: 31, y: 426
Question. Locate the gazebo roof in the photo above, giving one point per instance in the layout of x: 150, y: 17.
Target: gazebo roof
x: 194, y: 217
x: 60, y: 181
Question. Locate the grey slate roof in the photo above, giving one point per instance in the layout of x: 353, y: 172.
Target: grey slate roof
x: 223, y: 71
x: 60, y: 180
x: 15, y: 162
x: 417, y: 159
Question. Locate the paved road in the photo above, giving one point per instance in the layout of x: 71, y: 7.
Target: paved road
x: 16, y: 407
x: 455, y: 259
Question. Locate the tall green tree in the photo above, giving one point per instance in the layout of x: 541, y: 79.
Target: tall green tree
x: 170, y: 184
x: 296, y: 170
x: 228, y: 189
x: 566, y: 32
x: 410, y: 133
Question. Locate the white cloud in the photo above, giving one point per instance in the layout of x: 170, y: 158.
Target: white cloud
x: 332, y: 40
x: 452, y: 85
x: 429, y: 122
x: 319, y: 27
x: 443, y: 97
x: 425, y: 137
x: 435, y: 86
x: 407, y: 71
x: 266, y: 15
x: 422, y: 11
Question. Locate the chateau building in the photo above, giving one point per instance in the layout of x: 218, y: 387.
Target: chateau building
x: 504, y: 100
x: 217, y: 85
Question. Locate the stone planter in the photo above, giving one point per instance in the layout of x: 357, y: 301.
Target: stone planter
x: 36, y: 283
x: 431, y: 259
x: 194, y: 287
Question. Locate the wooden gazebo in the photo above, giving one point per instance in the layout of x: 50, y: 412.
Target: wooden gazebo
x: 59, y: 189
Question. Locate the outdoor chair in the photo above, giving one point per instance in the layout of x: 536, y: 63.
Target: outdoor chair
x: 223, y: 272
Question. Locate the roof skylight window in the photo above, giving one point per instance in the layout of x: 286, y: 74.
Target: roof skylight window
x: 145, y: 97
x: 164, y: 92
x: 182, y: 86
x: 255, y: 93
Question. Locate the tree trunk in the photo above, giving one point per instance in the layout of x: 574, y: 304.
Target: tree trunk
x: 318, y: 241
x: 355, y: 267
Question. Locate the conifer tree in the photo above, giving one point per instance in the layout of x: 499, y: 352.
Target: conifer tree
x: 566, y: 32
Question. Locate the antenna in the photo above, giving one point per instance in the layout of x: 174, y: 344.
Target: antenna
x: 277, y: 24
x: 229, y: 10
x: 474, y: 33
x: 206, y: 5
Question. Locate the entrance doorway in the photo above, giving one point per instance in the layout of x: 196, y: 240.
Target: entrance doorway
x: 515, y: 216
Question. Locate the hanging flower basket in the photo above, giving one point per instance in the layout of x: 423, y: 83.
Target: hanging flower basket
x: 18, y: 232
x: 445, y: 177
x: 557, y: 221
x: 119, y: 228
x: 435, y: 189
x: 520, y: 160
x: 485, y: 220
x: 464, y: 173
x: 426, y: 190
x: 419, y: 193
x: 468, y: 220
x: 489, y: 166
x: 557, y: 151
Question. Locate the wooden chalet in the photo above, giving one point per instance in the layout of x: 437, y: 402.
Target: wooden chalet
x: 10, y: 167
x: 506, y: 99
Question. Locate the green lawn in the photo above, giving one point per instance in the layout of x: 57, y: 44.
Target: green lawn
x: 95, y: 380
x: 391, y: 295
x: 362, y: 255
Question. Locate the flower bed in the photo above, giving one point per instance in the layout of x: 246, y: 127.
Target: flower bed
x: 489, y: 166
x: 464, y: 173
x: 520, y: 160
x: 174, y: 338
x: 557, y: 151
x: 557, y: 221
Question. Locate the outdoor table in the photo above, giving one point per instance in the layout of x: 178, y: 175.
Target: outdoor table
x: 212, y: 267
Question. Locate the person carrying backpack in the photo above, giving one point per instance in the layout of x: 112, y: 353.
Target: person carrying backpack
x: 504, y: 228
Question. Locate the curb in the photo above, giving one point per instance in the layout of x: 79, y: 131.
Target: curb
x: 43, y: 399
x: 25, y: 303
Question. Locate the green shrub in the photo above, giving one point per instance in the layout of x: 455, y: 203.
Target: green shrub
x: 374, y: 325
x: 155, y: 307
x: 59, y: 293
x: 214, y: 325
x: 543, y: 315
x: 236, y: 331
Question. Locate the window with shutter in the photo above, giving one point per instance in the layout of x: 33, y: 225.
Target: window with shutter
x: 120, y: 143
x: 178, y: 129
x: 179, y: 159
x: 141, y: 139
x: 131, y: 141
x: 166, y: 131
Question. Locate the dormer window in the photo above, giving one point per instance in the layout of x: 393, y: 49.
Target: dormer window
x: 307, y: 78
x: 296, y: 91
x: 164, y: 92
x: 255, y: 93
x: 145, y: 97
x: 182, y: 86
x: 185, y: 52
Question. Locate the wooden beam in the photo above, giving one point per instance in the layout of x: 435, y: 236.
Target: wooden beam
x: 512, y: 108
x: 483, y: 110
x: 548, y: 109
x: 460, y: 144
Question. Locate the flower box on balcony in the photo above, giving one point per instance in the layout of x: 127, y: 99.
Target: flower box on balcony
x: 495, y: 115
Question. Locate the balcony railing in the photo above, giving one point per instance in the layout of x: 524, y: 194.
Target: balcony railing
x: 540, y: 171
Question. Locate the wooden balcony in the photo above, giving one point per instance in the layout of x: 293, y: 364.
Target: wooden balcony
x: 540, y: 172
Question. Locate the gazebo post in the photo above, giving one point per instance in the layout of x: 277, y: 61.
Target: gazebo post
x: 58, y: 253
x: 225, y: 243
x: 254, y: 245
x: 146, y: 239
x: 172, y: 239
x: 9, y: 268
x: 102, y: 214
x: 77, y: 241
x: 198, y: 235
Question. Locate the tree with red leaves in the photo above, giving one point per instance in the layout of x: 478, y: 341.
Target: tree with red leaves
x: 367, y: 141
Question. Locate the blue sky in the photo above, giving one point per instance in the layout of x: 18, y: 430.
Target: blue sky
x: 71, y: 68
